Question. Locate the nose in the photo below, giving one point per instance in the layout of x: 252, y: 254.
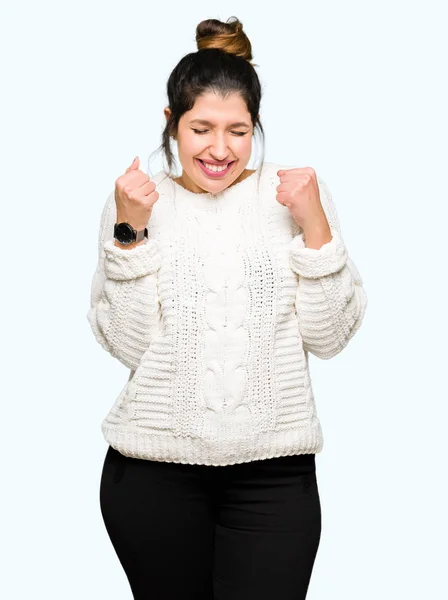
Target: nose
x: 219, y: 149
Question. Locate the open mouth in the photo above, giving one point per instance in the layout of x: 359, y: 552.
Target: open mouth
x: 215, y: 172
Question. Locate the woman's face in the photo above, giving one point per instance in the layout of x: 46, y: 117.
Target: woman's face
x: 214, y: 130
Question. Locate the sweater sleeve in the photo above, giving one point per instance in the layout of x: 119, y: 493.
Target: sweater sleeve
x: 330, y: 298
x: 124, y: 311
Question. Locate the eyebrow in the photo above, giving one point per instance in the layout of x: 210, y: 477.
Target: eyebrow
x: 205, y: 122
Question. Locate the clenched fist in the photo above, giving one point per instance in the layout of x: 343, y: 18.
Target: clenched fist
x: 299, y: 191
x: 135, y: 195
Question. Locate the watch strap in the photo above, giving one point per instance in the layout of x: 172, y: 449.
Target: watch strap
x: 139, y: 235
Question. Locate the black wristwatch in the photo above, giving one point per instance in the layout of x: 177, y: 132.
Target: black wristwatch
x: 126, y: 234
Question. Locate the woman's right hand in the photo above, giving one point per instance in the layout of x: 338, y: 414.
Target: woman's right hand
x: 135, y: 195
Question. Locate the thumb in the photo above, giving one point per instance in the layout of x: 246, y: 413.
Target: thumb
x: 280, y: 172
x: 134, y: 165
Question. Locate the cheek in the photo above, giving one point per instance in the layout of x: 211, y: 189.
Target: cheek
x: 190, y: 145
x: 244, y: 144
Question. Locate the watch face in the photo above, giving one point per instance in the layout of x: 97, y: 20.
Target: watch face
x: 124, y: 233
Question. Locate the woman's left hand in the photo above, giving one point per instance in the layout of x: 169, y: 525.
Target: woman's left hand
x: 299, y: 192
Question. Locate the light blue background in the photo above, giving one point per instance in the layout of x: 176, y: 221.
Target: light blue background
x: 356, y: 90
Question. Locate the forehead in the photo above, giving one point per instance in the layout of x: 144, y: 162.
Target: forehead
x: 210, y: 108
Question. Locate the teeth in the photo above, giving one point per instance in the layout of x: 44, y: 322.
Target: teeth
x: 216, y: 168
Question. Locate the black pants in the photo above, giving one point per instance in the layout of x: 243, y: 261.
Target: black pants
x: 195, y: 532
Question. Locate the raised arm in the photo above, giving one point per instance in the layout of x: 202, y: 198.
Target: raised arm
x: 330, y: 299
x: 124, y: 309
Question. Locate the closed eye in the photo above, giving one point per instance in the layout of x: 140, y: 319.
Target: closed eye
x: 199, y: 131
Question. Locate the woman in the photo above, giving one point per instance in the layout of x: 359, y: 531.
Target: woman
x: 212, y: 288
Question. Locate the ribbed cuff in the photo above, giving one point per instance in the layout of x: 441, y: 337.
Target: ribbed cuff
x: 121, y: 264
x: 314, y: 263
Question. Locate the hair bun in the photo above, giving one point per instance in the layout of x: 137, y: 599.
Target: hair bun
x: 228, y: 37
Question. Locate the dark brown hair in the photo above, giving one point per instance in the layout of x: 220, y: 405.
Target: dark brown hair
x: 222, y: 65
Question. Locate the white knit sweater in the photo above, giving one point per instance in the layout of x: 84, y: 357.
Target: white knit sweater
x: 215, y: 316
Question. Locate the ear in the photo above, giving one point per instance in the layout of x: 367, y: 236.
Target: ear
x: 167, y: 112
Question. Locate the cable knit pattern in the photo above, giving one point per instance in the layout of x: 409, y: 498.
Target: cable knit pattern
x: 215, y: 315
